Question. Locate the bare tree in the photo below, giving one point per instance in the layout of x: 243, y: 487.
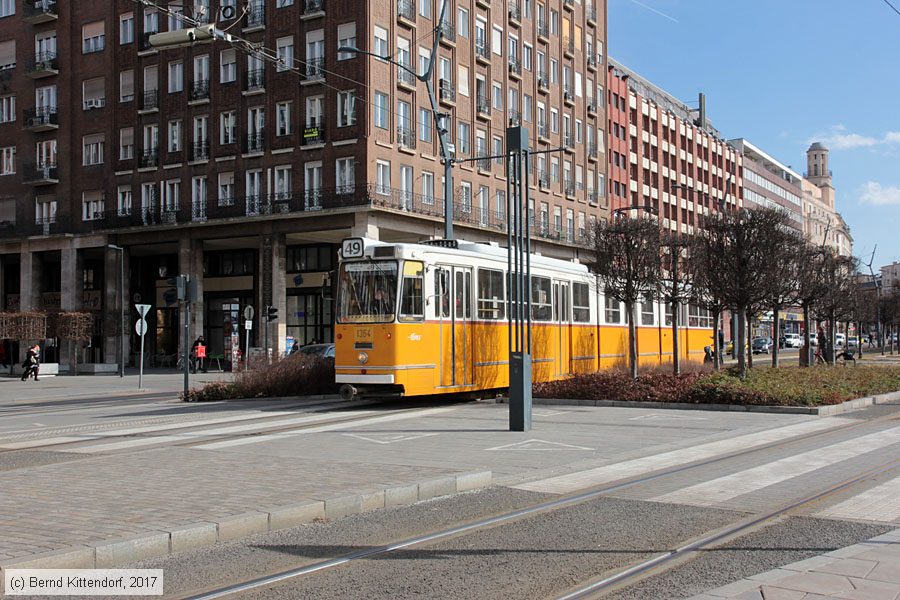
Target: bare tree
x: 705, y: 253
x: 627, y: 266
x: 744, y: 239
x: 781, y: 282
x: 676, y: 282
x: 836, y: 303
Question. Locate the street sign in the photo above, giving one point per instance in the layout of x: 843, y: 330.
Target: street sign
x: 142, y: 309
x: 140, y: 327
x: 248, y: 312
x: 353, y: 248
x: 248, y: 324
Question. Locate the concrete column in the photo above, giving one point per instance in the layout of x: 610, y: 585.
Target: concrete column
x: 279, y: 290
x: 112, y: 311
x: 265, y: 292
x: 29, y: 280
x: 71, y: 287
x: 365, y: 225
x: 190, y: 262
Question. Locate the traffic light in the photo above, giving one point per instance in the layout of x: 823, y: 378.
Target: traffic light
x: 271, y: 313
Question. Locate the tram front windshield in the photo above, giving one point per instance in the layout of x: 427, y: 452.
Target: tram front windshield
x: 367, y: 292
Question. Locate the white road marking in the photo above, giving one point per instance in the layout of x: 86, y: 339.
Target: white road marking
x: 537, y: 445
x: 571, y: 482
x: 547, y: 413
x: 191, y: 435
x: 390, y: 438
x: 336, y: 426
x: 654, y: 416
x: 722, y: 489
x: 877, y: 504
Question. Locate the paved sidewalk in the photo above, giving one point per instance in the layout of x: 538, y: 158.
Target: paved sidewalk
x: 867, y: 571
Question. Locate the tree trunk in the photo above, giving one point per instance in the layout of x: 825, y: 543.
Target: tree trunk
x: 741, y: 341
x: 749, y: 340
x: 806, y: 350
x: 632, y: 341
x: 832, y: 330
x: 717, y: 347
x: 859, y: 339
x: 776, y: 337
x: 676, y: 358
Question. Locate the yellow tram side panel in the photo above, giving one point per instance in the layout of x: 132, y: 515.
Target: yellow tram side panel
x: 613, y: 346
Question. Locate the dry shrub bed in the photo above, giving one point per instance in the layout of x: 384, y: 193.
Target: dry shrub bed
x: 297, y: 375
x: 764, y: 386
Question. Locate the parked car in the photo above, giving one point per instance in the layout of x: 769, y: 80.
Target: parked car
x: 839, y: 340
x: 761, y: 345
x: 325, y: 351
x: 792, y: 340
x: 812, y: 339
x: 852, y: 341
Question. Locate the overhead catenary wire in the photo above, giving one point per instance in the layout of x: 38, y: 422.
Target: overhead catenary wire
x: 894, y: 8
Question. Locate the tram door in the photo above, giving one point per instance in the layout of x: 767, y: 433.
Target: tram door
x: 453, y: 309
x: 564, y: 329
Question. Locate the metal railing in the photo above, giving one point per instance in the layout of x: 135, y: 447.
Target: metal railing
x: 482, y: 160
x: 515, y: 13
x: 40, y: 8
x: 150, y: 158
x: 311, y: 7
x: 570, y: 187
x: 41, y: 172
x: 590, y: 12
x: 592, y: 151
x: 256, y: 80
x: 448, y: 31
x: 312, y: 135
x: 569, y: 141
x: 406, y: 137
x: 543, y: 30
x: 406, y: 9
x: 592, y: 105
x: 315, y: 68
x: 200, y: 150
x: 569, y: 45
x: 482, y: 51
x: 41, y: 117
x: 447, y: 91
x: 144, y: 44
x: 256, y: 17
x: 483, y: 104
x: 543, y: 179
x: 515, y: 118
x: 592, y: 61
x: 543, y: 129
x: 43, y: 62
x: 515, y: 66
x: 150, y: 100
x: 200, y: 90
x: 542, y: 80
x: 568, y: 93
x: 255, y: 142
x: 405, y: 77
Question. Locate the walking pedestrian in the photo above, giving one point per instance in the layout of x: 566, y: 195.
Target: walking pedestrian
x: 198, y: 355
x: 32, y: 363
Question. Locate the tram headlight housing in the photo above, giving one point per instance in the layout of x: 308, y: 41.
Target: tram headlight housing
x: 363, y: 358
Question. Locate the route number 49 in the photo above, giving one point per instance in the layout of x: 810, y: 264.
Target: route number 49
x: 352, y: 248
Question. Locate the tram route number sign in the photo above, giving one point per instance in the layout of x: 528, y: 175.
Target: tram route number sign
x: 353, y: 248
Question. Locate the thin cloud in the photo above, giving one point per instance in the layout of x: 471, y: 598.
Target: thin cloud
x: 875, y: 194
x: 651, y: 9
x: 840, y: 139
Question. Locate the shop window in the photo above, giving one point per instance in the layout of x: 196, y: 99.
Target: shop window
x: 310, y: 258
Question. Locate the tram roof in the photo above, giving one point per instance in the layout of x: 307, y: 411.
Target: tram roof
x: 475, y: 251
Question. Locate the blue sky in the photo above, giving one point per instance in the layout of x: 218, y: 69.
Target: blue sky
x: 783, y: 73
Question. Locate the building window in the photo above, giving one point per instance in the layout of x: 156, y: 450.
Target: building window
x: 425, y: 8
x: 8, y: 160
x: 383, y: 177
x: 347, y: 37
x: 381, y: 110
x: 171, y: 195
x: 462, y: 27
x: 427, y: 188
x: 176, y: 77
x: 123, y: 200
x: 93, y: 150
x: 425, y: 125
x: 345, y: 179
x: 126, y: 143
x: 126, y: 86
x: 7, y: 109
x: 302, y: 259
x: 174, y: 136
x: 346, y: 109
x: 227, y: 127
x: 282, y: 183
x: 381, y: 41
x: 226, y: 189
x: 227, y: 66
x: 126, y: 28
x: 92, y: 205
x: 284, y: 50
x: 283, y: 118
x: 93, y: 37
x: 7, y: 8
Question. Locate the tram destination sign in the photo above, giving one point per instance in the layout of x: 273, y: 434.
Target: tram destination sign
x: 353, y: 248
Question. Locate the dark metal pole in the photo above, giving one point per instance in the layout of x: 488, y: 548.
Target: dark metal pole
x: 510, y: 307
x: 527, y: 253
x: 187, y: 342
x: 122, y: 337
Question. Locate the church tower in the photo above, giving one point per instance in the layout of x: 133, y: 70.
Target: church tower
x: 818, y: 173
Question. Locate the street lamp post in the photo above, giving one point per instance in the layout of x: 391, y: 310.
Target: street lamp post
x: 121, y: 252
x: 440, y: 119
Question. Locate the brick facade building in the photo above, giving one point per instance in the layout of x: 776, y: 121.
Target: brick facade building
x: 245, y: 174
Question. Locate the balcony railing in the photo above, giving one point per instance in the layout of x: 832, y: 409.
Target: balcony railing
x: 515, y: 118
x: 482, y: 160
x: 569, y: 45
x: 592, y: 151
x: 483, y: 105
x: 151, y: 100
x: 406, y: 137
x: 315, y: 68
x: 568, y: 94
x: 543, y: 30
x: 569, y: 141
x: 570, y: 4
x: 200, y: 90
x: 447, y: 91
x: 515, y: 67
x: 448, y: 31
x: 406, y: 78
x: 570, y: 187
x: 543, y: 129
x: 592, y: 61
x: 543, y: 179
x: 256, y: 17
x: 313, y: 8
x: 41, y: 173
x: 592, y: 105
x: 256, y: 80
x: 254, y: 142
x: 144, y: 44
x: 41, y: 119
x: 543, y: 81
x: 44, y: 64
x: 482, y: 51
x: 591, y: 13
x: 406, y: 10
x: 39, y: 11
x: 200, y: 150
x: 515, y: 13
x: 313, y: 135
x: 150, y: 158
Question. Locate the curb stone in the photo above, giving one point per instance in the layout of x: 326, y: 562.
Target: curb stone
x: 118, y: 552
x: 822, y: 411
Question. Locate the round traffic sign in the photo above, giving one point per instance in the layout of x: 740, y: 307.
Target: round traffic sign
x: 140, y: 327
x: 248, y: 312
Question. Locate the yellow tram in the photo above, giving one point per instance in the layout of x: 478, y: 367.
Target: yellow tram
x: 423, y: 319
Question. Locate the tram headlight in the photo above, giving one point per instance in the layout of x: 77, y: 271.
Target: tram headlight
x: 363, y: 358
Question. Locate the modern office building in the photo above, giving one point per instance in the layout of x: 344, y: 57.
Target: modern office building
x: 665, y: 156
x: 768, y: 183
x: 245, y: 174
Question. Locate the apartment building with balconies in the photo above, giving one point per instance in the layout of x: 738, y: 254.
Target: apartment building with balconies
x: 246, y: 173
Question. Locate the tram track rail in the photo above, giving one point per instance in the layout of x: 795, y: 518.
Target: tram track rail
x: 618, y: 579
x: 188, y: 428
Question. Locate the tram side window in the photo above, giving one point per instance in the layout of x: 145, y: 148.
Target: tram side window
x: 613, y: 310
x: 648, y: 310
x: 463, y: 295
x: 412, y: 298
x: 442, y: 293
x: 541, y: 300
x: 699, y: 316
x: 581, y: 303
x: 491, y: 299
